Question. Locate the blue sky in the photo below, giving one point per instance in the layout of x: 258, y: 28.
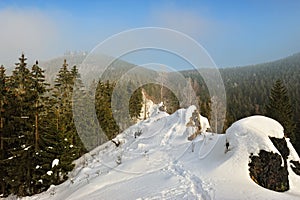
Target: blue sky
x: 234, y: 33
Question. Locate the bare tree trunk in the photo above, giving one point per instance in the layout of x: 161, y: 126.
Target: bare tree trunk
x: 145, y: 109
x: 161, y: 91
x: 145, y: 105
x: 57, y: 119
x: 1, y: 133
x: 36, y: 131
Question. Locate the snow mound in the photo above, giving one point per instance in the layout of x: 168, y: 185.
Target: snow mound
x: 251, y: 134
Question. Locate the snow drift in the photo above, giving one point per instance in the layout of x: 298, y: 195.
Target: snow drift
x: 155, y: 160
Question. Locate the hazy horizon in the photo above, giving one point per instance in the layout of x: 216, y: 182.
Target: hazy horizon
x: 233, y: 33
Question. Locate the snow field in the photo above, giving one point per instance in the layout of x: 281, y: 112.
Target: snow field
x: 162, y: 163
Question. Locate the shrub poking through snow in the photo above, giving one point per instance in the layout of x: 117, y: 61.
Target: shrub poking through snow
x: 137, y: 133
x: 119, y: 160
x: 117, y: 143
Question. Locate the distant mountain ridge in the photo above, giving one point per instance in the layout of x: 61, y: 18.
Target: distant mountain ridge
x: 52, y: 66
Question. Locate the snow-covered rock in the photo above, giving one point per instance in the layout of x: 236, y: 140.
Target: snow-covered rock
x: 251, y: 134
x: 55, y: 162
x: 49, y: 173
x: 204, y: 124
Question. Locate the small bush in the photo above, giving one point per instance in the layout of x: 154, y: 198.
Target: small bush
x: 119, y: 160
x: 137, y: 133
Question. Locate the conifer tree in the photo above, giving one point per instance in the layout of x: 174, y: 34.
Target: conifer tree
x: 280, y: 109
x: 104, y: 110
x: 49, y: 149
x: 135, y: 103
x: 71, y: 144
x: 86, y: 120
x: 47, y: 141
x: 39, y: 88
x: 3, y: 91
x: 20, y: 122
x: 3, y: 103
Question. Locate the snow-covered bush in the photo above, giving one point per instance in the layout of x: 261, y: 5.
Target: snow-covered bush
x: 119, y: 160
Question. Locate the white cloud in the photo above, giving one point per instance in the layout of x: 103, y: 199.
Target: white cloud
x: 186, y: 21
x: 28, y: 30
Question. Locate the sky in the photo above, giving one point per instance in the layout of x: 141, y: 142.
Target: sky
x: 234, y: 33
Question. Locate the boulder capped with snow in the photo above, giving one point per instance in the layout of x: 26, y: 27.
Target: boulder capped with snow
x: 269, y: 153
x: 251, y: 134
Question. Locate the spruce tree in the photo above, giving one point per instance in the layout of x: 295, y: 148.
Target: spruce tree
x: 47, y: 140
x: 3, y: 91
x: 280, y: 109
x: 71, y: 145
x: 136, y: 103
x: 86, y: 121
x: 3, y: 132
x: 39, y: 88
x: 103, y: 109
x: 20, y: 123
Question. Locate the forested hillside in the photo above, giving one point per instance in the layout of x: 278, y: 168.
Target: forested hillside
x: 248, y: 88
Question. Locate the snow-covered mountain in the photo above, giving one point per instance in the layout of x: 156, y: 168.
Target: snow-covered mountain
x: 156, y: 160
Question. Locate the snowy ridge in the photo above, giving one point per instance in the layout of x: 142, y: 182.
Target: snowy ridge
x: 155, y: 160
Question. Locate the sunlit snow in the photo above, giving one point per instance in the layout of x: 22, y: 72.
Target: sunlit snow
x: 161, y: 163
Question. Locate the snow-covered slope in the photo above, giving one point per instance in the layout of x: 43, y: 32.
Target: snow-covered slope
x: 155, y: 160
